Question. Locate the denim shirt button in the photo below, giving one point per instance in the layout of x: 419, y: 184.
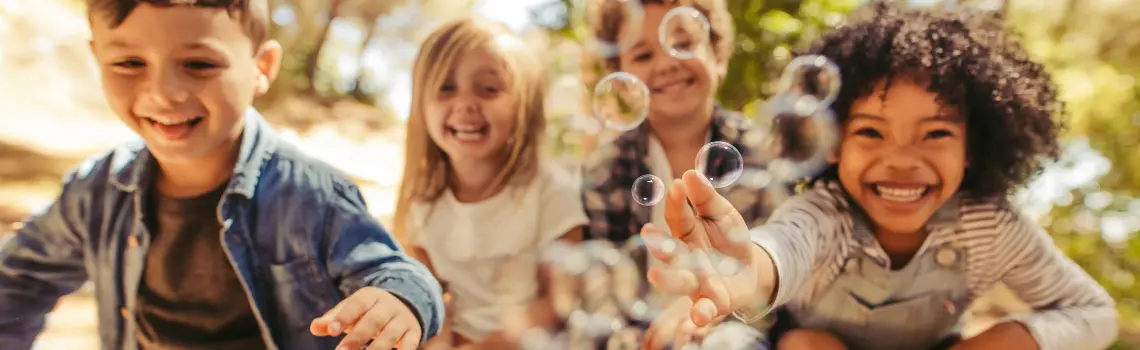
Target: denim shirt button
x: 126, y: 314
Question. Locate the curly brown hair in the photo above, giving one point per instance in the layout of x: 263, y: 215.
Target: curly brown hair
x: 970, y: 60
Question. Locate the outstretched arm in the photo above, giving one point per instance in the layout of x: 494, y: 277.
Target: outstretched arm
x: 1072, y: 311
x: 39, y: 263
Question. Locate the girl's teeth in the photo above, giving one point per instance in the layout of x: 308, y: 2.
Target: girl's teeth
x: 900, y: 194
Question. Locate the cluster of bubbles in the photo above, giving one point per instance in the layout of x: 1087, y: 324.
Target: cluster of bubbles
x: 794, y: 133
x: 602, y: 298
x: 599, y: 290
x: 795, y: 129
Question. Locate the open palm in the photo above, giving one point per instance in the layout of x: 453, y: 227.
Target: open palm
x: 714, y: 233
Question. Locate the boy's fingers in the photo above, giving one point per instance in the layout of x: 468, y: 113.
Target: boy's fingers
x: 344, y: 315
x: 704, y: 312
x: 323, y: 326
x: 704, y: 198
x: 672, y: 281
x: 660, y: 244
x: 710, y: 301
x: 679, y: 216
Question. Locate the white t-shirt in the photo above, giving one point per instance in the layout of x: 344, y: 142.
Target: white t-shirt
x: 488, y: 252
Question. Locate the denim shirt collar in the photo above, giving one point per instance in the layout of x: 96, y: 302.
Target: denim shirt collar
x: 258, y: 142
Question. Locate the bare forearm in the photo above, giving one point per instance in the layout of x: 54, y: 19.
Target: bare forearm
x: 766, y: 276
x: 1004, y: 336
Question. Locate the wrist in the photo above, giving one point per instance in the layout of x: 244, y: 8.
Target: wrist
x: 759, y: 290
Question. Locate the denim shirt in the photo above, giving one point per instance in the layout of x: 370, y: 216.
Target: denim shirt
x: 296, y: 231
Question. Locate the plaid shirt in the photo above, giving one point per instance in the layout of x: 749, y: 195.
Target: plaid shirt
x: 609, y: 174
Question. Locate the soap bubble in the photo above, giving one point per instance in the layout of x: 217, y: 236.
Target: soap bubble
x: 720, y: 163
x: 812, y: 75
x: 794, y: 138
x: 621, y: 101
x: 648, y: 190
x: 683, y: 31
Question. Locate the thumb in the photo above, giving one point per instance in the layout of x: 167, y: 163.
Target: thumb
x: 704, y: 312
x: 325, y: 324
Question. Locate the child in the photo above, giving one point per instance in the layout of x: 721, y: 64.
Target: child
x: 942, y: 116
x: 476, y: 204
x: 212, y: 232
x: 683, y: 118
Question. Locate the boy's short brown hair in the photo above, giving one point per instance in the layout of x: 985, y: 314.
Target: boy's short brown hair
x: 254, y: 13
x: 721, y: 28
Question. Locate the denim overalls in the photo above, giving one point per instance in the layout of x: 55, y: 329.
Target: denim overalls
x: 869, y: 306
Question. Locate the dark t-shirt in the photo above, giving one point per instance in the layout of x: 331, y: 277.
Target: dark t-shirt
x: 190, y: 296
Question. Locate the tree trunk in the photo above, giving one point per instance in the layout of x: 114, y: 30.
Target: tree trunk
x: 360, y: 76
x: 314, y: 60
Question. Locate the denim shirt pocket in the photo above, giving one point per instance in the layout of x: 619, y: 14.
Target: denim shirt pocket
x: 302, y: 292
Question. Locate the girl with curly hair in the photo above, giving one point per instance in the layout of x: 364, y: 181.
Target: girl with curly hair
x: 943, y: 115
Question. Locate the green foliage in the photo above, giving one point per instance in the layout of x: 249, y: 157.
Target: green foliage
x: 1094, y: 64
x: 1093, y: 61
x: 767, y: 32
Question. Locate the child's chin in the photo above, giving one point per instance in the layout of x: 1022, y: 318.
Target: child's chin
x: 905, y: 226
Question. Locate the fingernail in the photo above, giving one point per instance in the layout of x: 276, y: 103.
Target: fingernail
x: 335, y: 328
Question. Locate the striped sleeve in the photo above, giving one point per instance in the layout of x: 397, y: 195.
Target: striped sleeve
x: 799, y: 235
x: 1071, y: 311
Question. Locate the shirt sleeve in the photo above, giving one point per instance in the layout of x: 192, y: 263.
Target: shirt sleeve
x: 39, y: 263
x: 1071, y: 311
x: 361, y: 253
x: 800, y: 234
x: 560, y: 206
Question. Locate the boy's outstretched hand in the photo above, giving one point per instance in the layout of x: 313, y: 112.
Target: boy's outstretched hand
x: 710, y: 225
x: 370, y: 314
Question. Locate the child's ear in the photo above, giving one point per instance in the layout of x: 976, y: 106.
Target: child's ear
x: 722, y: 67
x: 268, y: 65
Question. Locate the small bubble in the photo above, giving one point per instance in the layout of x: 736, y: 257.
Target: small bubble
x: 683, y: 31
x: 797, y: 137
x: 812, y: 75
x: 648, y: 190
x: 720, y: 163
x: 621, y: 101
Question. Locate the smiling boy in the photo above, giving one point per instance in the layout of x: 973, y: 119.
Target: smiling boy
x: 683, y: 117
x: 212, y: 232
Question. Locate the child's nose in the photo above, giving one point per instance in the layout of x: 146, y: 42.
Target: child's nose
x: 466, y: 105
x: 902, y: 159
x: 168, y: 89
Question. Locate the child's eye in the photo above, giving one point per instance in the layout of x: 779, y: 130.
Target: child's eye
x: 446, y: 88
x: 938, y: 134
x: 868, y: 132
x: 129, y: 64
x: 200, y: 65
x: 491, y: 89
x: 643, y: 57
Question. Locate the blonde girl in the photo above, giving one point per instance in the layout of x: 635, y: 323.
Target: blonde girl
x: 476, y: 205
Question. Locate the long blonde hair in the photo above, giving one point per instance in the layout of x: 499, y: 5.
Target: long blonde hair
x: 425, y: 164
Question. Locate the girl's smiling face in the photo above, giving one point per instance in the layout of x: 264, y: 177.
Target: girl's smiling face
x: 903, y: 154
